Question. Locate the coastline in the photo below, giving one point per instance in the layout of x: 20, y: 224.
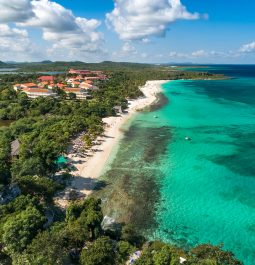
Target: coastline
x: 89, y: 169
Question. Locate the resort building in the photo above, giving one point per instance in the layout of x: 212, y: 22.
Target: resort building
x: 85, y: 85
x: 43, y: 84
x: 100, y: 77
x: 79, y: 84
x: 89, y: 75
x: 39, y: 92
x: 24, y: 86
x: 46, y: 78
x: 79, y: 72
x: 80, y: 93
x: 97, y: 72
x: 58, y: 85
x: 75, y: 84
x: 17, y: 87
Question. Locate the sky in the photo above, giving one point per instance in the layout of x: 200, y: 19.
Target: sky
x: 151, y: 31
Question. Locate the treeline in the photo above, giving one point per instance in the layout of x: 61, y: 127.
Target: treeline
x: 106, y: 66
x: 33, y: 234
x: 45, y: 66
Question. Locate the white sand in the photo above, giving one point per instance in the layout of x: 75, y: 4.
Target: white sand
x: 90, y: 168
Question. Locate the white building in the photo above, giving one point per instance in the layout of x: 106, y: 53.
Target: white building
x: 39, y: 92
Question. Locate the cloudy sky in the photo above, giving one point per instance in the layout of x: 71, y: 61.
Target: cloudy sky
x: 200, y: 31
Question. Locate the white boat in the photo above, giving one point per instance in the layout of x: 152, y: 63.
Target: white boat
x: 187, y: 138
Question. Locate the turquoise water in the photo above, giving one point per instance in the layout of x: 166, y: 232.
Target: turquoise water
x: 207, y: 193
x: 208, y: 188
x: 198, y: 191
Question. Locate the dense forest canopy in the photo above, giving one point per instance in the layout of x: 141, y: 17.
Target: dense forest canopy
x: 64, y: 66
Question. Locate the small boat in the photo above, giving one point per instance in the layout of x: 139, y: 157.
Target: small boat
x: 155, y: 117
x: 187, y: 138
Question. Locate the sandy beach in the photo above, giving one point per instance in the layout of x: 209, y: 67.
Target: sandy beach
x: 89, y: 169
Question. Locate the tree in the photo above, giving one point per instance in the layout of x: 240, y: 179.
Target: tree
x: 100, y: 252
x: 72, y: 96
x: 5, y: 151
x: 166, y: 256
x: 18, y: 205
x: 21, y: 229
x: 87, y: 214
x: 158, y: 253
x: 77, y: 233
x: 47, y: 248
x: 130, y: 235
x: 8, y: 94
x: 40, y: 186
x: 74, y: 210
x: 124, y: 249
x: 145, y: 259
x: 15, y: 111
x: 28, y: 166
x: 214, y: 254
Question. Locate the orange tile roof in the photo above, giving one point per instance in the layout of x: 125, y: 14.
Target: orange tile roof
x: 85, y: 85
x: 38, y: 90
x: 29, y: 84
x: 61, y: 85
x: 46, y: 78
x: 44, y: 83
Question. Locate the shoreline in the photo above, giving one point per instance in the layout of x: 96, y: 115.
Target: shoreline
x: 89, y: 169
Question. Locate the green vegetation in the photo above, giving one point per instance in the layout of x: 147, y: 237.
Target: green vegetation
x: 158, y: 253
x: 35, y: 231
x: 78, y: 238
x: 106, y: 66
x: 44, y: 126
x: 64, y: 66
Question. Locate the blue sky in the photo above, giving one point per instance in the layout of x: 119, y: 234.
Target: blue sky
x: 200, y: 31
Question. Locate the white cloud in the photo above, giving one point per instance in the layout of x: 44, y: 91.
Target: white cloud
x: 199, y: 53
x: 128, y: 52
x: 72, y: 35
x: 202, y: 54
x: 146, y: 40
x: 178, y: 55
x: 50, y: 15
x: 141, y: 19
x: 190, y: 55
x: 66, y: 31
x: 15, y: 10
x: 14, y: 43
x: 128, y: 48
x: 247, y: 48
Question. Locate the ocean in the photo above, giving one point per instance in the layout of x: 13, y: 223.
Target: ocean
x: 200, y: 190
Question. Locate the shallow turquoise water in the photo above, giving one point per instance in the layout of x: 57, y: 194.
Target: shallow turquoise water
x: 198, y: 191
x: 208, y: 183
